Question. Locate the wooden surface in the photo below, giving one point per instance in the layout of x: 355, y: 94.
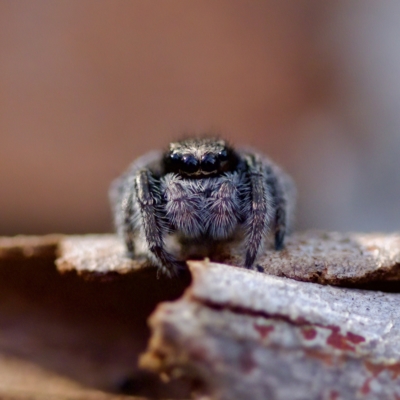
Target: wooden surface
x: 225, y: 332
x: 66, y: 337
x: 249, y: 335
x: 316, y: 256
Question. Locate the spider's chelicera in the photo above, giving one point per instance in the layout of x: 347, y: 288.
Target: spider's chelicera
x: 204, y: 192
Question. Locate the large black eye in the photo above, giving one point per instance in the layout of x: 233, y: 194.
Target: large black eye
x: 190, y: 164
x: 223, y: 155
x: 175, y: 158
x: 174, y: 161
x: 209, y: 163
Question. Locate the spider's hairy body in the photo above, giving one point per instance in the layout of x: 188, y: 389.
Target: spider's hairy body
x: 203, y: 191
x: 199, y: 208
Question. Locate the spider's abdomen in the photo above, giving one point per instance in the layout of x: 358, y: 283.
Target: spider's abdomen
x: 197, y: 208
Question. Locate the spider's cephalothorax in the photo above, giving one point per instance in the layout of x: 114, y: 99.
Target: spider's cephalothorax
x: 203, y: 191
x: 200, y: 158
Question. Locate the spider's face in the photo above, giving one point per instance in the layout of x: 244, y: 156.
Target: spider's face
x: 200, y: 157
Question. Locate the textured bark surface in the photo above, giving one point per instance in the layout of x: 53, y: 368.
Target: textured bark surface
x: 234, y: 334
x: 248, y: 335
x: 65, y: 337
x: 28, y: 247
x: 95, y: 255
x: 336, y: 258
x: 324, y: 257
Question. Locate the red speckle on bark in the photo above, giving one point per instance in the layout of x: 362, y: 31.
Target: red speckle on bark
x: 337, y: 340
x: 247, y: 361
x: 327, y: 359
x: 365, y: 389
x: 395, y: 370
x: 333, y: 395
x: 263, y: 330
x: 309, y: 333
x: 352, y: 337
x: 375, y: 370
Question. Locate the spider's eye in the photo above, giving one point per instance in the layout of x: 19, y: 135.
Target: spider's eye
x: 175, y: 160
x: 189, y: 164
x: 209, y: 163
x: 223, y: 155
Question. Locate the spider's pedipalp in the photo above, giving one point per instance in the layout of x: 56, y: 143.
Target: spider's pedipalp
x: 183, y: 206
x: 223, y: 207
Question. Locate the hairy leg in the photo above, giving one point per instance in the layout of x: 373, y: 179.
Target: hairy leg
x: 126, y: 211
x: 148, y: 200
x: 124, y: 201
x: 284, y: 195
x: 279, y: 224
x: 259, y: 209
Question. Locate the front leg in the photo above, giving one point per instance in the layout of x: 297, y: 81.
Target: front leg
x: 126, y: 211
x: 146, y: 192
x: 124, y: 200
x: 259, y: 208
x: 280, y: 220
x: 283, y: 192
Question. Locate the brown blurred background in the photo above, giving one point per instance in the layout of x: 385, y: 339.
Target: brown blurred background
x: 88, y: 85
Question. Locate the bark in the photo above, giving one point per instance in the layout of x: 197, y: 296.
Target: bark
x: 245, y: 335
x: 346, y: 259
x: 66, y: 337
x: 233, y: 333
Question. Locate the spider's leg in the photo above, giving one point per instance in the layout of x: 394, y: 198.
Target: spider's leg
x: 283, y: 192
x: 129, y: 227
x: 146, y: 192
x: 259, y: 209
x: 280, y: 221
x: 124, y: 201
x: 126, y: 211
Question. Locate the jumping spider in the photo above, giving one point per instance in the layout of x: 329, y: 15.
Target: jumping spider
x: 203, y: 191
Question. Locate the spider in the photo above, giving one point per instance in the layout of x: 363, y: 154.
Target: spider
x: 203, y: 191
